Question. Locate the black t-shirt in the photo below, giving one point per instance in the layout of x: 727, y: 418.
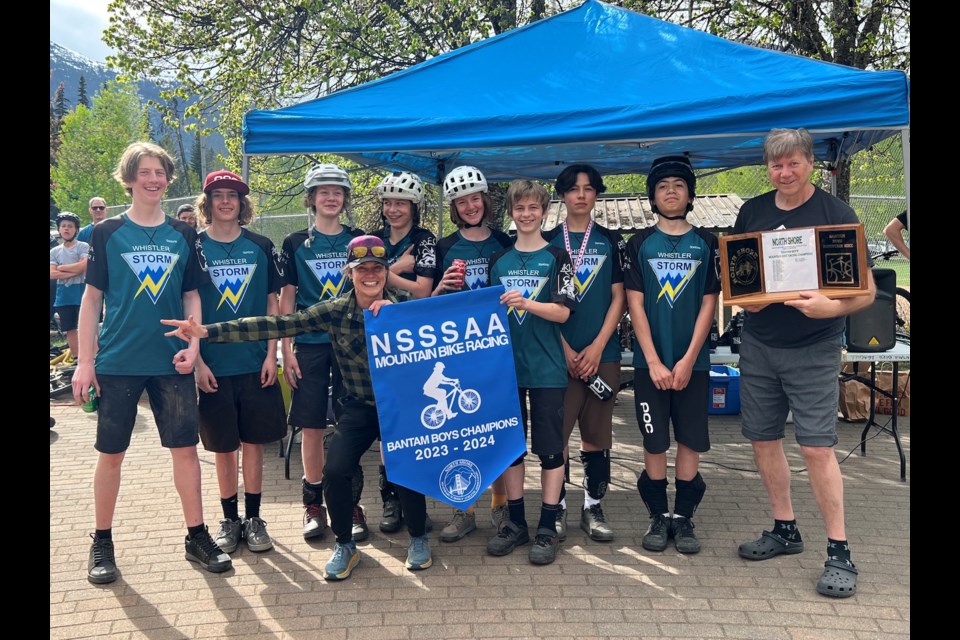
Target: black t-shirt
x: 778, y: 325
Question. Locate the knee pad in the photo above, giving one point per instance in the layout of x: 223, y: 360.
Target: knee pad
x: 689, y: 495
x: 596, y: 472
x: 356, y: 485
x: 551, y: 461
x: 312, y: 493
x: 653, y: 493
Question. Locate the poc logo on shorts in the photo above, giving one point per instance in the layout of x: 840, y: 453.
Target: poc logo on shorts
x: 646, y: 419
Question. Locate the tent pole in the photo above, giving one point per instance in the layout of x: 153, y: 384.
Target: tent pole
x: 441, y: 175
x: 905, y: 142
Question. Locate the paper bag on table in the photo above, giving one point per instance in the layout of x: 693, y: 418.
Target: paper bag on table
x: 854, y: 396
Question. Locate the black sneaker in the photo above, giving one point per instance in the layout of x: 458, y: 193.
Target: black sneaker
x: 392, y: 516
x: 594, y: 523
x: 102, y: 566
x: 360, y: 529
x: 545, y: 547
x: 657, y: 535
x: 510, y: 536
x: 203, y: 550
x: 683, y: 535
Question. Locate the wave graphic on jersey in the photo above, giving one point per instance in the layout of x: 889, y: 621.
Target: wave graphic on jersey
x: 673, y: 279
x: 528, y: 286
x: 329, y: 273
x: 152, y: 269
x: 587, y: 274
x: 232, y: 282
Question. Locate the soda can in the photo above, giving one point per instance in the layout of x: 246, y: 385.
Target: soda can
x: 91, y: 405
x: 461, y: 267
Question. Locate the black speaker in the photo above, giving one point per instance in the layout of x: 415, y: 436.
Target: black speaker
x: 874, y: 328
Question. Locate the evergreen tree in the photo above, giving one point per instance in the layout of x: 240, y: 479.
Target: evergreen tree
x: 82, y: 93
x: 196, y: 156
x: 59, y: 103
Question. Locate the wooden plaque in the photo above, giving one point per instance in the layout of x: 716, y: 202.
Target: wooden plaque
x: 774, y: 266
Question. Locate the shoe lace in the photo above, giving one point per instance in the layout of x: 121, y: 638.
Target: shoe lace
x: 505, y: 532
x: 341, y: 550
x: 684, y: 526
x: 102, y: 550
x: 312, y: 511
x: 543, y: 540
x: 597, y: 512
x: 255, y: 524
x: 419, y: 545
x: 206, y: 545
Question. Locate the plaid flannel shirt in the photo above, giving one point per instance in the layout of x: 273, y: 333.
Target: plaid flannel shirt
x: 342, y: 317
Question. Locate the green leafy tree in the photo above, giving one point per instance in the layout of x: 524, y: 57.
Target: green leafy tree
x: 92, y: 142
x: 245, y: 55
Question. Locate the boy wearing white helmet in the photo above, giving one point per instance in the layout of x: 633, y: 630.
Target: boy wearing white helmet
x: 474, y: 242
x: 313, y: 260
x: 411, y: 254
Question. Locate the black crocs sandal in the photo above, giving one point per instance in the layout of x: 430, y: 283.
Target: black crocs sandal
x: 839, y: 579
x: 767, y: 546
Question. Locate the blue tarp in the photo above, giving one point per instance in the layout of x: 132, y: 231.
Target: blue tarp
x: 595, y: 84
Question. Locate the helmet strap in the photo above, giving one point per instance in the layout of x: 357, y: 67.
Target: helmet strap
x: 473, y: 226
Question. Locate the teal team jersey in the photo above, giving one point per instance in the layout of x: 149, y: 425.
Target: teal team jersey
x: 424, y: 251
x: 143, y: 273
x: 242, y: 274
x: 602, y: 266
x: 476, y: 254
x: 544, y: 275
x: 674, y: 273
x: 313, y: 263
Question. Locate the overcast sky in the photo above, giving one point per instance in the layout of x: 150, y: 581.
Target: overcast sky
x: 78, y: 25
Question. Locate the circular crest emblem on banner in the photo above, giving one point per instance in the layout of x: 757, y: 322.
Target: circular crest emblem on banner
x: 460, y: 481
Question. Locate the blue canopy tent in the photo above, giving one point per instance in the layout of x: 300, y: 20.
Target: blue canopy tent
x: 595, y: 84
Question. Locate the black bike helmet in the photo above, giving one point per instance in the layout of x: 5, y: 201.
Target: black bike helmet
x: 66, y: 215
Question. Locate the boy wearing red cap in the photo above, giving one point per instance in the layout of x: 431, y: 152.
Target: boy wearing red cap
x: 145, y: 266
x: 241, y: 405
x: 358, y: 426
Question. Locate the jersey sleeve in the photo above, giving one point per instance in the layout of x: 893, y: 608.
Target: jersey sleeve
x: 562, y: 287
x: 633, y: 277
x: 195, y: 274
x: 425, y: 254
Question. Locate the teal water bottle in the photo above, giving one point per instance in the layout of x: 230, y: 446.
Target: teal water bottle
x: 91, y: 405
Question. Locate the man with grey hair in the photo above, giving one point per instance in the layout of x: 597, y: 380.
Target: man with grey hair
x: 790, y: 361
x: 98, y: 212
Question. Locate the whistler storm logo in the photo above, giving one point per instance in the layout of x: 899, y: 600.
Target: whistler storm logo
x: 673, y: 275
x: 329, y: 273
x: 232, y: 281
x: 586, y: 275
x: 528, y: 286
x: 152, y: 269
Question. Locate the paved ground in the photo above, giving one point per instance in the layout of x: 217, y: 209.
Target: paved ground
x: 594, y: 590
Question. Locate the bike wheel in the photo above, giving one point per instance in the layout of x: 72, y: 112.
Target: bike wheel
x: 432, y: 417
x: 469, y: 400
x: 903, y: 315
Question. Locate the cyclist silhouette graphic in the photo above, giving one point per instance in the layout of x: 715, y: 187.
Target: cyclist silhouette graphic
x: 431, y: 388
x: 434, y: 415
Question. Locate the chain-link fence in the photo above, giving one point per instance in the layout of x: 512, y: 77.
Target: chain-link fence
x: 876, y: 188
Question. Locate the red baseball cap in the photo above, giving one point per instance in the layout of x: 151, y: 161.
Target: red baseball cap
x: 224, y: 179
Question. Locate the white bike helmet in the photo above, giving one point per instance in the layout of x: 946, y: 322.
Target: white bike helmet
x: 463, y: 181
x: 402, y: 185
x: 327, y: 174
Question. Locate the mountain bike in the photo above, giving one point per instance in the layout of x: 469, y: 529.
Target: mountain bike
x: 433, y: 416
x: 902, y: 302
x: 62, y: 366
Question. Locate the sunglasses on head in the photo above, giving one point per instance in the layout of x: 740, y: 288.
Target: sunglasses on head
x: 375, y: 251
x: 98, y: 208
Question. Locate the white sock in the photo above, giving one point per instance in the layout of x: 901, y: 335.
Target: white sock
x: 588, y: 501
